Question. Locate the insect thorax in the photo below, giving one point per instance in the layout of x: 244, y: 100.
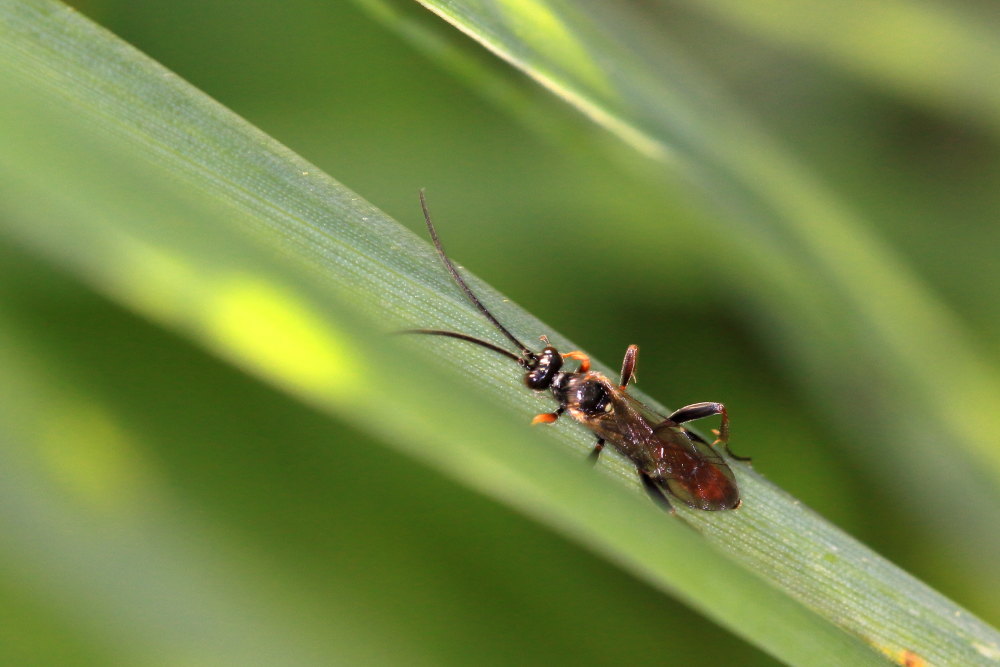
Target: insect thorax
x: 586, y: 393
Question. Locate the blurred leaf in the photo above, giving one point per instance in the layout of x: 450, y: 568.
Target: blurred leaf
x: 119, y: 172
x: 938, y: 54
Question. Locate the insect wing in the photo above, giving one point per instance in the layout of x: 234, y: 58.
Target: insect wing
x: 694, y: 472
x: 624, y: 425
x: 678, y: 460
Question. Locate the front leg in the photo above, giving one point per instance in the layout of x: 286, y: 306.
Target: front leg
x: 700, y: 410
x: 549, y: 417
x: 581, y: 357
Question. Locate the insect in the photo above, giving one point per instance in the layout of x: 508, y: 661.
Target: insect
x: 669, y: 458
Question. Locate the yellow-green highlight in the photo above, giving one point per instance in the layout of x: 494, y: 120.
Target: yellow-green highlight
x: 535, y: 23
x: 572, y: 57
x: 258, y: 322
x: 92, y: 456
x: 267, y: 328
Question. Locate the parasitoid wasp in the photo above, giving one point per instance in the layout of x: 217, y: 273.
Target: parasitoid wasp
x: 670, y: 459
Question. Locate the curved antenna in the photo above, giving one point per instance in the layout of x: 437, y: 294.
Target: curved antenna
x: 465, y: 337
x: 461, y: 283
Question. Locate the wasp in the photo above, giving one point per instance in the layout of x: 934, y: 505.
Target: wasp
x: 671, y: 460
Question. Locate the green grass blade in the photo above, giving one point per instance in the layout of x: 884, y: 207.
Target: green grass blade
x: 126, y: 176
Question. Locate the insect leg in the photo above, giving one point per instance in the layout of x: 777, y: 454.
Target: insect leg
x: 596, y: 453
x: 628, y: 366
x: 655, y: 493
x: 548, y: 417
x: 581, y: 357
x: 693, y: 436
x: 700, y: 410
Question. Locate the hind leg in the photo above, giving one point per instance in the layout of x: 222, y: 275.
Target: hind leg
x: 655, y: 493
x: 700, y: 410
x: 628, y: 366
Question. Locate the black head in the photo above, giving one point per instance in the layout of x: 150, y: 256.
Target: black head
x: 542, y: 368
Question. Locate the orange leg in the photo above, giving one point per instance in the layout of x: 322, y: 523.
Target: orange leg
x: 548, y: 417
x: 581, y: 357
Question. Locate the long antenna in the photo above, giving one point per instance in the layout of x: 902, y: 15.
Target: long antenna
x: 466, y: 337
x: 461, y: 283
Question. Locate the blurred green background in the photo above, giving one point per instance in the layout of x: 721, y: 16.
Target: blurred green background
x: 343, y: 538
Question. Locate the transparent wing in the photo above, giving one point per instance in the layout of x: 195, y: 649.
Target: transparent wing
x: 677, y: 460
x: 625, y: 426
x: 694, y: 472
